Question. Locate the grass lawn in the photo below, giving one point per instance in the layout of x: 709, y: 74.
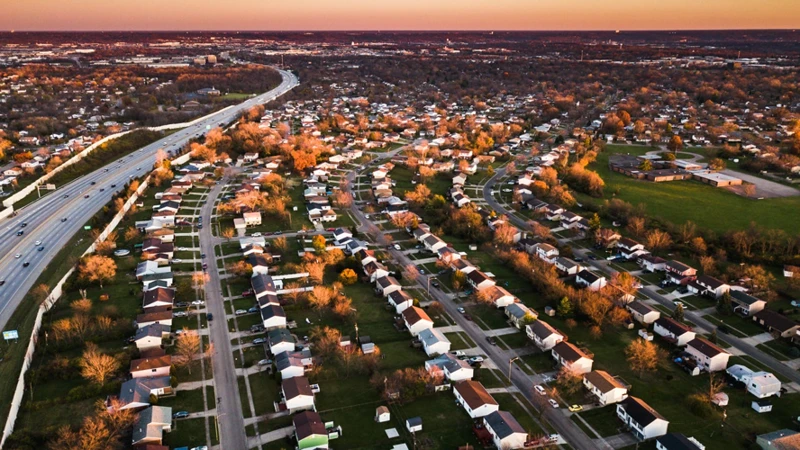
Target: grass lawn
x: 711, y: 208
x: 191, y: 401
x: 444, y: 424
x: 603, y: 420
x: 745, y: 326
x: 515, y: 340
x: 539, y: 362
x: 490, y: 378
x: 459, y: 341
x: 487, y: 317
x: 187, y: 432
x: 265, y: 390
x: 510, y: 403
x: 779, y: 349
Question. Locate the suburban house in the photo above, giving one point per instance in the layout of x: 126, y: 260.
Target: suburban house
x: 784, y: 439
x: 760, y: 384
x: 400, y: 301
x: 150, y: 336
x: 776, y: 323
x: 506, y: 432
x: 543, y: 335
x: 158, y: 297
x: 135, y: 393
x: 630, y: 249
x: 259, y: 262
x: 642, y: 312
x: 590, y: 281
x: 519, y: 314
x: 567, y: 266
x: 297, y: 395
x: 568, y: 355
x: 479, y: 280
x: 678, y: 441
x: 273, y: 316
x: 652, y: 263
x: 434, y: 342
x: 155, y: 315
x: 310, y: 431
x: 680, y: 273
x: 745, y: 304
x: 416, y: 320
x: 673, y: 331
x: 709, y: 357
x: 152, y: 366
x: 642, y: 420
x: 499, y: 296
x: 151, y: 425
x: 294, y: 363
x: 474, y: 398
x: 386, y: 285
x: 280, y: 340
x: 545, y: 252
x: 262, y: 285
x: 451, y: 367
x: 605, y: 387
x: 710, y: 286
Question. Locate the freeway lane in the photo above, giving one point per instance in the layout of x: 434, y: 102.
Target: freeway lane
x: 44, y: 217
x: 602, y: 266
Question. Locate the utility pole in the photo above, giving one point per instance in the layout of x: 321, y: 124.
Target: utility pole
x: 509, y: 366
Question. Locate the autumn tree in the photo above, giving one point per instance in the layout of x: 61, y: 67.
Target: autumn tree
x: 97, y: 366
x: 228, y: 233
x: 643, y: 356
x: 348, y: 277
x: 636, y: 226
x: 657, y: 240
x: 280, y: 244
x: 97, y: 269
x: 321, y: 298
x: 240, y: 269
x: 132, y: 234
x: 187, y: 346
x: 316, y: 271
x: 319, y: 243
x: 569, y: 381
x: 675, y: 143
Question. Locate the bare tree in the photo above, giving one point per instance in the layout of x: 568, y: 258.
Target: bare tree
x: 97, y: 366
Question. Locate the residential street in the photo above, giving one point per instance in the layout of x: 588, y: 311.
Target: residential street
x: 229, y: 417
x: 649, y: 291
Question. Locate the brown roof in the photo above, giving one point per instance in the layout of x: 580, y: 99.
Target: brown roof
x: 705, y: 347
x: 602, y: 380
x: 414, y: 314
x: 474, y: 394
x: 791, y: 442
x: 569, y: 351
x: 151, y: 363
x: 296, y: 386
x: 155, y: 314
x: 159, y: 294
x: 308, y: 423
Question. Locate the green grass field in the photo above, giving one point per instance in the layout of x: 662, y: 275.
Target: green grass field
x: 678, y: 201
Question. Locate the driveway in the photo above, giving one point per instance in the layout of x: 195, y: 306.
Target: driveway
x: 764, y: 188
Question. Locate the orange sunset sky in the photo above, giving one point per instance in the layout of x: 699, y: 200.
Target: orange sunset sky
x: 397, y: 15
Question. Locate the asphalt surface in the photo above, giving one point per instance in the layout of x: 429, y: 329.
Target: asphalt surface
x: 43, y: 218
x: 568, y: 430
x: 602, y: 266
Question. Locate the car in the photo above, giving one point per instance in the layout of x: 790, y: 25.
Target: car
x: 257, y: 328
x: 491, y: 340
x: 539, y: 389
x: 37, y: 243
x: 552, y: 402
x: 182, y: 304
x: 41, y: 248
x: 577, y: 259
x: 258, y: 341
x: 247, y: 293
x: 202, y: 447
x: 435, y: 284
x: 93, y: 183
x: 65, y: 196
x: 253, y: 309
x: 177, y: 260
x: 198, y: 302
x: 475, y: 359
x: 468, y: 317
x: 575, y: 408
x: 199, y: 225
x: 507, y: 190
x: 180, y: 415
x: 458, y: 353
x: 209, y: 317
x: 421, y: 271
x: 264, y: 362
x: 105, y: 170
x: 86, y: 196
x: 277, y: 233
x: 553, y: 438
x: 592, y: 256
x: 138, y: 168
x: 64, y: 219
x: 2, y: 282
x: 113, y: 185
x: 795, y: 303
x: 18, y: 255
x: 179, y: 314
x: 20, y: 233
x: 329, y: 229
x: 397, y: 247
x: 256, y: 234
x: 203, y: 256
x: 239, y: 312
x: 23, y: 224
x: 461, y: 310
x: 102, y: 189
x: 26, y: 264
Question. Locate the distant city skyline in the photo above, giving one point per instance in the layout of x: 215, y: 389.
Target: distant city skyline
x: 323, y: 15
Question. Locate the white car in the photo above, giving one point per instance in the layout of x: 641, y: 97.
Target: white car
x: 239, y: 312
x: 507, y: 190
x: 476, y: 359
x: 202, y: 447
x: 198, y: 302
x: 552, y: 402
x: 539, y: 389
x: 179, y: 314
x: 18, y: 255
x: 177, y: 260
x: 397, y: 247
x: 457, y: 353
x: 37, y: 243
x: 256, y: 234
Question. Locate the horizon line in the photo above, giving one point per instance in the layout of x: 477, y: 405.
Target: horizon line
x: 565, y: 30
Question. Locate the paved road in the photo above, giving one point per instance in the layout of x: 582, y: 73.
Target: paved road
x: 229, y: 408
x: 568, y: 430
x: 44, y: 216
x: 603, y: 266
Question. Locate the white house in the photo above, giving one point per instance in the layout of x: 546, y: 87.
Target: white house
x: 519, y: 314
x: 252, y: 219
x: 416, y: 320
x: 709, y: 356
x: 678, y: 441
x: 474, y: 398
x: 606, y: 388
x: 642, y: 312
x: 293, y: 364
x: 746, y: 304
x: 543, y: 335
x: 568, y: 355
x: 506, y: 432
x: 567, y: 266
x: 451, y: 367
x: 400, y: 301
x: 297, y: 394
x: 273, y: 316
x: 643, y: 421
x: 434, y: 341
x: 673, y: 331
x: 710, y: 286
x: 590, y: 281
x: 499, y: 296
x: 386, y: 285
x: 153, y: 366
x: 280, y: 340
x: 760, y: 384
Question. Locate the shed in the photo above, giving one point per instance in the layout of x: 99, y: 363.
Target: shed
x: 761, y: 406
x: 414, y: 424
x: 382, y: 414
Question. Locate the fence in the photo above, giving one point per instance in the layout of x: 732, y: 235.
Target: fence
x: 55, y: 294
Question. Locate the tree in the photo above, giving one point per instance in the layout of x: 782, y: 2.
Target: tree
x: 504, y: 234
x: 642, y: 356
x: 240, y: 269
x: 725, y: 304
x: 97, y: 269
x: 228, y: 233
x: 321, y: 298
x: 280, y: 244
x: 343, y: 307
x: 594, y: 222
x: 677, y: 314
x: 97, y: 366
x: 132, y: 234
x: 564, y: 308
x: 348, y: 277
x: 636, y: 225
x: 675, y: 143
x: 657, y: 240
x: 717, y: 164
x: 646, y: 166
x: 187, y: 346
x: 40, y: 293
x: 319, y: 243
x: 316, y: 271
x: 458, y: 280
x: 569, y: 381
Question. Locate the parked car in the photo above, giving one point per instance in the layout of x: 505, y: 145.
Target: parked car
x: 552, y: 402
x: 247, y: 293
x: 198, y: 302
x: 181, y: 304
x: 253, y: 309
x: 264, y: 362
x: 202, y: 447
x: 209, y: 317
x: 461, y: 310
x: 468, y: 317
x: 177, y: 260
x: 239, y: 312
x: 458, y: 353
x: 179, y: 314
x: 397, y: 247
x: 476, y: 359
x: 435, y: 284
x: 256, y: 234
x: 180, y: 415
x: 258, y: 341
x: 575, y: 408
x: 539, y: 389
x: 491, y: 340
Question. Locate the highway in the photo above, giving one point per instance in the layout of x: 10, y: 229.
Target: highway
x: 650, y: 291
x: 44, y: 220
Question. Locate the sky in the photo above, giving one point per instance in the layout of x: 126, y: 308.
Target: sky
x: 269, y: 15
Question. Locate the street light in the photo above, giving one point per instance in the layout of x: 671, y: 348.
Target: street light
x: 516, y: 358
